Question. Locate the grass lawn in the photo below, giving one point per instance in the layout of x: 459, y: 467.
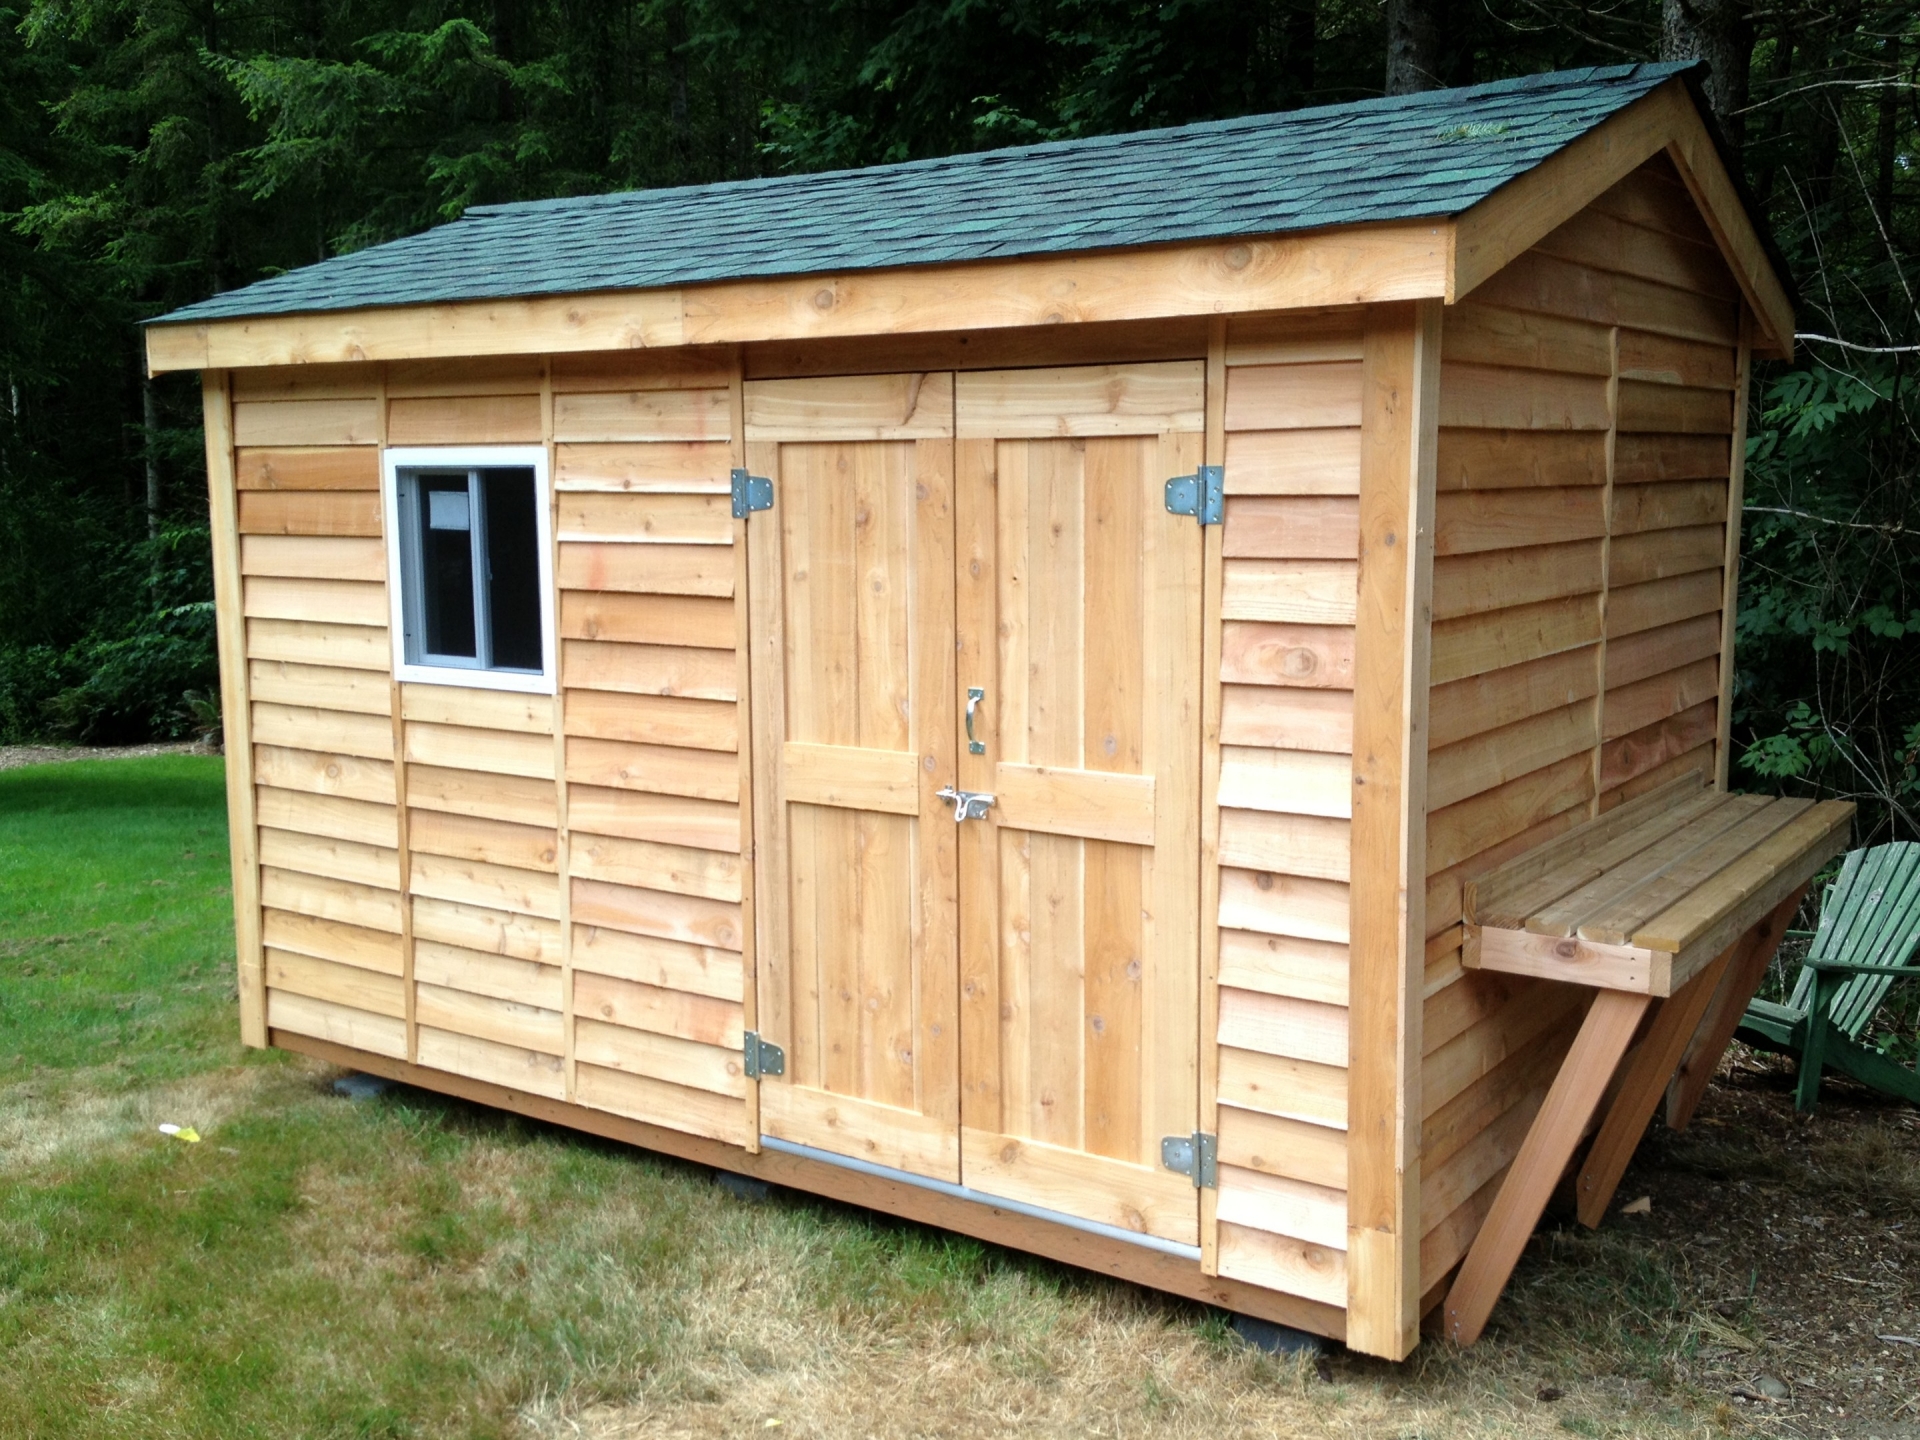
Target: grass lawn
x: 412, y: 1265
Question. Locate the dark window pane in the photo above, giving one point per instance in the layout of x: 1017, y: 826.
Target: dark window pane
x: 513, y: 568
x: 446, y: 555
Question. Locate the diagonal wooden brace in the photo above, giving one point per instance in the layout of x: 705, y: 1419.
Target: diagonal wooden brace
x: 1576, y: 1092
x: 1642, y: 1083
x: 1738, y: 983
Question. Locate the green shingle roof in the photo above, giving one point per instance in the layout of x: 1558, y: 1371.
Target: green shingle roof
x: 1408, y: 157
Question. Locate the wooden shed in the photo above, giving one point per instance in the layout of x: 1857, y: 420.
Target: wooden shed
x: 989, y: 688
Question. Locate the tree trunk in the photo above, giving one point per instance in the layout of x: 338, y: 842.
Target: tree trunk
x: 1719, y: 32
x: 1413, y: 46
x: 150, y: 449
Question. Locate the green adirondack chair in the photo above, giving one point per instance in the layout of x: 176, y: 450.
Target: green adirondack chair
x: 1867, y: 937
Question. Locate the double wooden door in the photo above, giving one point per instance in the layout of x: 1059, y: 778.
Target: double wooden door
x: 1008, y: 1002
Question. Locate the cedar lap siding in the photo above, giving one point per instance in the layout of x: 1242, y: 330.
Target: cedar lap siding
x: 1474, y: 364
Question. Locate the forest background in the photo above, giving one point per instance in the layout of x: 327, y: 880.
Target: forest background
x: 153, y: 152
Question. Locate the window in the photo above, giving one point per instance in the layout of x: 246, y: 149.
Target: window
x: 469, y: 567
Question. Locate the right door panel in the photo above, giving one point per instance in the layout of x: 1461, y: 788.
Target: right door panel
x: 1079, y: 612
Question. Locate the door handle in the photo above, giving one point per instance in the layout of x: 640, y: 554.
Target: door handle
x: 974, y: 696
x: 967, y: 804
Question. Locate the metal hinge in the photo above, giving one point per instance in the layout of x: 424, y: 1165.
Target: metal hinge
x: 1201, y: 495
x: 763, y: 1056
x: 1197, y: 1155
x: 750, y: 493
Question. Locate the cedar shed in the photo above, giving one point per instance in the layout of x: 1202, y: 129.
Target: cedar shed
x: 985, y: 688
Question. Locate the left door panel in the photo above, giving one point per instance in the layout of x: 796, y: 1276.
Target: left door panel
x: 851, y: 580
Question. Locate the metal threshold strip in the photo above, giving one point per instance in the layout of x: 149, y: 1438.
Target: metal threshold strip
x: 980, y: 1197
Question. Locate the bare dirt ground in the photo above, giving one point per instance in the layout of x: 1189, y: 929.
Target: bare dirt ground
x: 12, y: 757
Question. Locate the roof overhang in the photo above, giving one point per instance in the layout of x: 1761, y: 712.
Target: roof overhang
x: 1349, y: 265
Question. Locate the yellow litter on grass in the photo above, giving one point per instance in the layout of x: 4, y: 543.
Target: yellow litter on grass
x: 182, y: 1132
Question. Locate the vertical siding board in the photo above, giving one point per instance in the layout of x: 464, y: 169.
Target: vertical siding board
x: 1399, y: 439
x: 1212, y: 582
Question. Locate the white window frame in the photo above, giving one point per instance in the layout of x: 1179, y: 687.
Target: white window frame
x: 469, y: 457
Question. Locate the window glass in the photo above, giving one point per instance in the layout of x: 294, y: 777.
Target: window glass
x: 513, y: 568
x: 446, y: 581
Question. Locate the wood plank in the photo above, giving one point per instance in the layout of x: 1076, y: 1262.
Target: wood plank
x: 1518, y: 459
x: 1143, y: 1199
x: 357, y: 1029
x: 332, y: 940
x: 1487, y: 335
x: 1294, y: 905
x: 1292, y: 527
x: 1080, y: 400
x: 1311, y: 656
x: 1291, y: 844
x: 529, y: 1071
x: 1466, y: 829
x: 1292, y: 1089
x: 1726, y: 1010
x: 482, y: 709
x: 463, y: 420
x: 1633, y: 608
x: 1293, y: 462
x: 503, y: 1022
x: 1312, y: 592
x: 1467, y: 521
x: 492, y: 887
x: 670, y: 467
x: 1647, y: 702
x: 281, y: 682
x: 1287, y: 718
x: 1481, y: 703
x: 659, y: 1103
x: 1280, y: 1262
x: 1730, y: 564
x: 1642, y: 459
x: 918, y: 406
x: 324, y: 899
x: 350, y: 602
x: 645, y: 519
x: 470, y: 375
x: 685, y: 670
x: 462, y: 747
x: 647, y: 619
x: 704, y: 414
x: 1674, y: 409
x: 667, y: 770
x: 1476, y: 644
x: 1284, y: 965
x: 1093, y: 804
x: 647, y: 569
x: 680, y: 368
x: 1284, y: 1207
x: 330, y: 815
x: 305, y: 642
x: 1490, y: 397
x: 329, y: 468
x: 1662, y: 359
x: 661, y: 1057
x: 1546, y: 284
x: 315, y: 558
x: 681, y: 869
x: 1320, y: 395
x: 1294, y: 338
x: 655, y: 912
x: 306, y: 422
x: 850, y: 777
x: 1283, y: 1025
x: 1666, y: 648
x: 698, y: 1018
x: 670, y: 819
x: 309, y: 512
x: 503, y: 977
x: 1607, y: 242
x: 1668, y: 506
x: 654, y: 720
x: 490, y: 931
x: 513, y: 798
x: 324, y: 773
x: 1275, y: 1145
x: 1556, y: 1130
x: 664, y: 964
x: 1476, y: 583
x: 1635, y: 559
x: 311, y: 382
x: 347, y: 985
x: 369, y: 737
x: 1472, y: 766
x: 1568, y: 960
x: 1293, y: 782
x: 495, y: 842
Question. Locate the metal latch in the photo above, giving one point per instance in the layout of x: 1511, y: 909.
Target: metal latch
x: 967, y: 804
x: 1201, y: 495
x: 763, y: 1056
x: 750, y: 493
x: 1197, y: 1155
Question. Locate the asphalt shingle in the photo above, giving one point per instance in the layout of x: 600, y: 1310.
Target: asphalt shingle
x: 1404, y: 158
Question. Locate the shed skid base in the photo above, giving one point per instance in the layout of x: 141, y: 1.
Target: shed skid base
x: 983, y: 1220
